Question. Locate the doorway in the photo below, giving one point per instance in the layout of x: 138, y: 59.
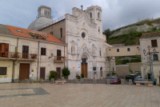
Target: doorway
x: 42, y: 73
x: 24, y: 71
x: 58, y: 69
x: 84, y: 68
x: 25, y: 52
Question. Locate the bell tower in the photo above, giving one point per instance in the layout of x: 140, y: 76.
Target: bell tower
x: 44, y: 11
x: 95, y: 15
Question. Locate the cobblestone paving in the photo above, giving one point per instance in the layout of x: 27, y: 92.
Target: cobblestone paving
x: 78, y: 95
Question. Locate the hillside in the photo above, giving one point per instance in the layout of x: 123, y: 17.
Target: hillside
x: 130, y: 34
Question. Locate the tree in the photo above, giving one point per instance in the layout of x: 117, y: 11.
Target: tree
x: 53, y: 75
x: 65, y: 72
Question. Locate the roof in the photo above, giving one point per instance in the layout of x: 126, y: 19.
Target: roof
x: 31, y: 34
x: 150, y: 35
x: 3, y: 29
x: 51, y: 24
x: 40, y: 22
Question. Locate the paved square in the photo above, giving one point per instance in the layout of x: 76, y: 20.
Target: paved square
x: 78, y: 95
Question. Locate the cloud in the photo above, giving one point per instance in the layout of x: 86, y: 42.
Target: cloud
x: 116, y: 13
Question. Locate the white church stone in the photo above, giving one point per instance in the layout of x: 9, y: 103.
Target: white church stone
x: 84, y: 40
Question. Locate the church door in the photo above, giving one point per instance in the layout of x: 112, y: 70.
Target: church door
x: 84, y: 68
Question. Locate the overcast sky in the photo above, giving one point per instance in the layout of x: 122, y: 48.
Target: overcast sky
x: 116, y: 13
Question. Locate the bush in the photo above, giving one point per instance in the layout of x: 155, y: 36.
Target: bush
x: 66, y: 72
x: 82, y: 76
x: 78, y: 76
x: 52, y: 75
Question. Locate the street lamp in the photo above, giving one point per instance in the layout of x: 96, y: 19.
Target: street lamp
x: 150, y: 54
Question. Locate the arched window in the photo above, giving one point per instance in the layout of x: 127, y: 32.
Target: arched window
x: 83, y: 35
x: 91, y: 15
x: 46, y: 13
x: 101, y: 71
x: 98, y: 15
x: 100, y: 53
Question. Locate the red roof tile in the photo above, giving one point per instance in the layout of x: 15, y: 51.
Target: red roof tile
x: 21, y: 32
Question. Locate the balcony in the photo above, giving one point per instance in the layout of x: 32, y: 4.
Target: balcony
x: 59, y: 59
x: 17, y: 56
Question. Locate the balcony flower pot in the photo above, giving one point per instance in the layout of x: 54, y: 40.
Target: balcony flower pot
x: 33, y: 56
x: 15, y: 55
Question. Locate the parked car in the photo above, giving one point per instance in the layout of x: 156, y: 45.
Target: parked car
x: 132, y: 77
x: 139, y: 78
x: 114, y: 80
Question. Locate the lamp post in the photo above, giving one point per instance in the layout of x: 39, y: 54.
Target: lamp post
x: 150, y: 54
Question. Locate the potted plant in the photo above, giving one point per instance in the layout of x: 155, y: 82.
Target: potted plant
x: 65, y: 72
x: 52, y: 76
x: 82, y: 77
x: 15, y: 55
x: 33, y: 56
x: 78, y: 77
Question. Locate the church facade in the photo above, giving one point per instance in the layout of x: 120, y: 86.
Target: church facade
x: 85, y: 52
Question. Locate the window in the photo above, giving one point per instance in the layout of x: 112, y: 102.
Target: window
x: 4, y: 49
x: 94, y: 68
x: 61, y: 32
x: 101, y: 71
x: 83, y: 35
x: 99, y: 29
x: 59, y: 73
x: 25, y: 51
x: 117, y: 50
x: 59, y: 54
x: 98, y: 15
x: 3, y: 70
x: 128, y: 49
x: 91, y: 15
x: 45, y: 12
x: 154, y: 43
x: 42, y: 73
x: 43, y: 51
x: 155, y: 57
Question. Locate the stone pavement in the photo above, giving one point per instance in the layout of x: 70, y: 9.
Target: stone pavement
x: 78, y: 95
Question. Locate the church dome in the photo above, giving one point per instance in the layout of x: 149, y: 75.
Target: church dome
x: 44, y: 18
x: 40, y: 23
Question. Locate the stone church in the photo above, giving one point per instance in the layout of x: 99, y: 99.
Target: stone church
x: 82, y: 31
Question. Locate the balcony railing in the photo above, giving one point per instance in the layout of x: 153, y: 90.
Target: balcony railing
x: 59, y: 59
x: 18, y: 56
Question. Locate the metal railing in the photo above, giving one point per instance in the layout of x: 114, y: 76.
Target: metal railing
x: 17, y: 55
x: 59, y: 59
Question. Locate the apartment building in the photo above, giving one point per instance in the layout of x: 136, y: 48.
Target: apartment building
x: 27, y: 54
x: 150, y: 54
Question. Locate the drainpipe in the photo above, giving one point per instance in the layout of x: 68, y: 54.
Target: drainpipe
x: 14, y: 61
x: 13, y: 71
x: 38, y: 60
x: 64, y: 56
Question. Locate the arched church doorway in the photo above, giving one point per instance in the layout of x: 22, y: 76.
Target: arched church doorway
x: 84, y: 68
